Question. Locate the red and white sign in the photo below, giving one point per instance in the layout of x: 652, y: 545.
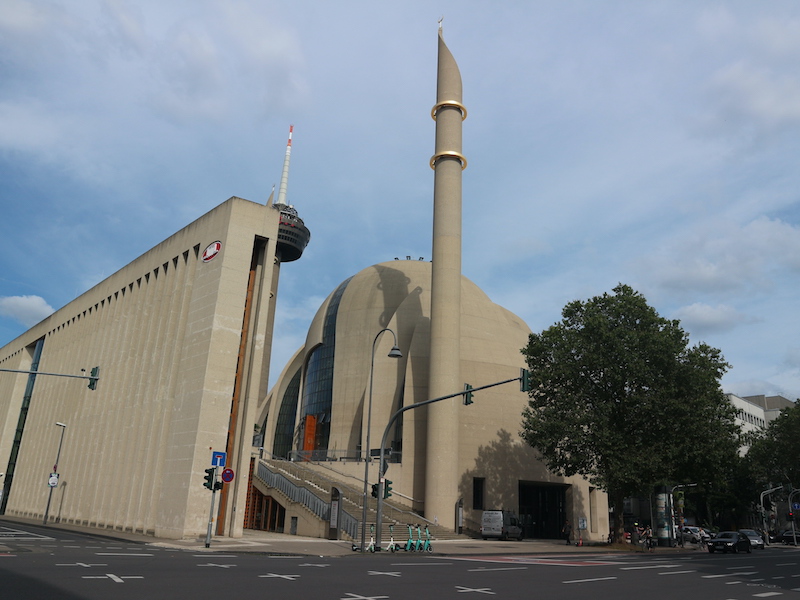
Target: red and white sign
x: 211, y: 251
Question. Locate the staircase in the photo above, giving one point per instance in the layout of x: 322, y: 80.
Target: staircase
x: 301, y: 483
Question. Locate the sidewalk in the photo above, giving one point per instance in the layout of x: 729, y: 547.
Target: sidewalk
x: 265, y: 542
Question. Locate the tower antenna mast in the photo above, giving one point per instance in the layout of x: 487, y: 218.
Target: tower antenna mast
x: 285, y: 174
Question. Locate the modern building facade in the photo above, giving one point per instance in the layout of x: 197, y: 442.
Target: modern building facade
x: 182, y: 337
x: 319, y: 409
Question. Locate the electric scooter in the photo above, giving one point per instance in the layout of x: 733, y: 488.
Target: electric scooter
x: 371, y: 546
x: 427, y: 546
x: 391, y: 546
x: 409, y: 547
x: 418, y: 543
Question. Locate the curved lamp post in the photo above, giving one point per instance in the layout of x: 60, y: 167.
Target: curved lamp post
x: 393, y: 353
x: 55, y: 471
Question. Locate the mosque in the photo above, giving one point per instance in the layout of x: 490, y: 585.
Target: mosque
x: 182, y: 337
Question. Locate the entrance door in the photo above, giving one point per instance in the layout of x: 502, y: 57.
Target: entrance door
x: 542, y: 509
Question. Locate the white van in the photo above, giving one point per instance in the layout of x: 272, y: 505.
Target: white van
x: 501, y: 524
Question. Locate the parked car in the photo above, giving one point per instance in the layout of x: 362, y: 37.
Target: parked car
x: 787, y: 536
x: 756, y: 541
x: 730, y: 541
x: 694, y: 534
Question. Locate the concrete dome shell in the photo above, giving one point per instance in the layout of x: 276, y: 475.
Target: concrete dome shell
x: 396, y: 295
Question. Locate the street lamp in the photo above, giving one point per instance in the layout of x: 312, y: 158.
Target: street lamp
x: 55, y: 471
x: 393, y: 353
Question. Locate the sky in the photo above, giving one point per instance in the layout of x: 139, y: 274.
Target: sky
x: 653, y: 144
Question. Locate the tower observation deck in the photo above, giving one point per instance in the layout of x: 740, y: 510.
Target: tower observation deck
x: 293, y: 235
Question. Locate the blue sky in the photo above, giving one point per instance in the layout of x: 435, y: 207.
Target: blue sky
x: 649, y: 143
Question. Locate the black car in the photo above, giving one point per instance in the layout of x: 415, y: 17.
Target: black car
x: 730, y: 541
x: 787, y: 537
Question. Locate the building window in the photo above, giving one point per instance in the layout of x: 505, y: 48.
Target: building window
x: 318, y: 386
x: 478, y: 492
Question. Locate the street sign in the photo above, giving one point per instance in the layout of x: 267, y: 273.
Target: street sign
x: 218, y: 459
x: 52, y: 481
x: 796, y: 506
x: 227, y: 475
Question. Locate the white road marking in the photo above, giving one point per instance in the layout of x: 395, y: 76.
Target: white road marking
x: 589, y: 580
x: 114, y: 578
x: 461, y: 589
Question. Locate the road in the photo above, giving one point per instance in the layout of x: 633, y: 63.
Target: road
x: 45, y: 563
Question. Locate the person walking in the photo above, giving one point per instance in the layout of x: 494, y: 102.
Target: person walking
x: 566, y: 531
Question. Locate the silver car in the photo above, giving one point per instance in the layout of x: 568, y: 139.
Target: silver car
x: 756, y: 541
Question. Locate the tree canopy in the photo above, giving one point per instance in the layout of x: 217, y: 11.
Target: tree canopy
x: 619, y: 397
x: 774, y: 454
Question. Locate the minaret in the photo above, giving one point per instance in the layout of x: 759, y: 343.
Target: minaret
x: 441, y: 471
x: 293, y: 235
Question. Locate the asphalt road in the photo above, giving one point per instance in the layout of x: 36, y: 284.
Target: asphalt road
x: 44, y: 563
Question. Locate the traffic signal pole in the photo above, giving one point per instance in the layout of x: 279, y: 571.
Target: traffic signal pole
x: 213, y: 489
x: 524, y: 386
x: 93, y: 378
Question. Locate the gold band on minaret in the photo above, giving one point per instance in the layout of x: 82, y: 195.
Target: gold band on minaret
x: 454, y: 103
x: 448, y: 154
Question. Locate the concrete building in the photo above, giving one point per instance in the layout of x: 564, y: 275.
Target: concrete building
x: 182, y: 337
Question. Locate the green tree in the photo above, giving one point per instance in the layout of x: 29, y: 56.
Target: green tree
x: 619, y: 397
x: 774, y: 454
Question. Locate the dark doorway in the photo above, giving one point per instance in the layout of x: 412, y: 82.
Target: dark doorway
x: 542, y: 509
x: 264, y: 513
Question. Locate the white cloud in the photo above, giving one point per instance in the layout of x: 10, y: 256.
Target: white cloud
x: 28, y: 310
x: 702, y: 318
x: 717, y: 256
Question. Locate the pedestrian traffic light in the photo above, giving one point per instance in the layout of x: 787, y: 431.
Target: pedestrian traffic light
x: 467, y: 394
x: 93, y: 377
x: 374, y: 490
x: 217, y: 485
x: 387, y: 488
x: 524, y: 380
x: 209, y: 478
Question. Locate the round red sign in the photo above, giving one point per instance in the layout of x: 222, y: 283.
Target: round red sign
x: 211, y: 251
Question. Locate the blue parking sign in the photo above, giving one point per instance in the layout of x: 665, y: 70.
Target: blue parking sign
x: 218, y: 459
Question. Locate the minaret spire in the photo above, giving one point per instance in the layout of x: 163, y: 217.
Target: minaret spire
x: 442, y: 463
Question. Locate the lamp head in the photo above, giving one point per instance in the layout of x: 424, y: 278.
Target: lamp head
x: 395, y: 352
x: 61, y: 424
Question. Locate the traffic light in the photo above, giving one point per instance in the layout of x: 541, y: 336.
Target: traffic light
x: 95, y: 374
x: 387, y: 488
x: 374, y: 490
x: 467, y: 395
x: 524, y: 380
x: 790, y: 516
x: 210, y: 478
x: 218, y: 485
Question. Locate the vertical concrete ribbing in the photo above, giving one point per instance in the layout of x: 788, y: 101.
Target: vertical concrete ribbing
x: 441, y: 477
